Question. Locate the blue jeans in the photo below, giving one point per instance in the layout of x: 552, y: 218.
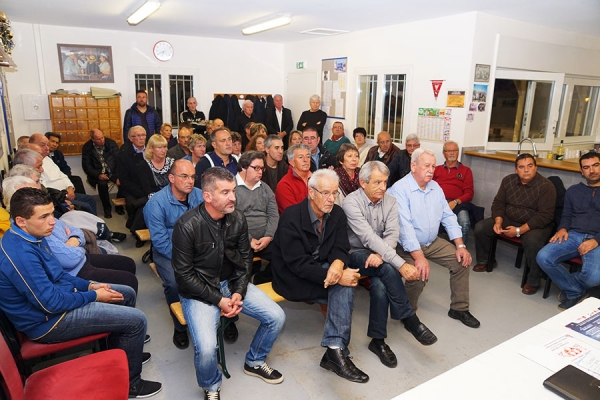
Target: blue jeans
x: 203, y: 320
x: 338, y: 323
x: 86, y: 202
x: 387, y: 291
x: 127, y: 326
x: 166, y: 273
x: 465, y: 223
x: 573, y: 284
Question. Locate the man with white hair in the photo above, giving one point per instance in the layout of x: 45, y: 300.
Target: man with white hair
x: 400, y: 164
x: 310, y: 259
x: 422, y: 207
x: 246, y: 116
x: 193, y: 116
x: 314, y: 117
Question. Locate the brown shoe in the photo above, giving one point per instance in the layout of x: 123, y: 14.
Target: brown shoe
x: 529, y: 290
x: 480, y: 267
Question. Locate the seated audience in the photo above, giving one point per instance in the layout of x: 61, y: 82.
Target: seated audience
x: 236, y: 145
x: 360, y: 140
x: 320, y: 157
x: 422, y: 207
x: 183, y: 137
x: 76, y: 307
x: 295, y: 138
x: 347, y: 171
x: 197, y: 146
x: 456, y: 180
x: 257, y: 143
x: 99, y: 162
x: 310, y: 255
x: 21, y: 141
x: 160, y: 213
x: 293, y: 187
x: 59, y: 159
x: 385, y: 151
x: 166, y: 130
x: 154, y: 173
x: 220, y: 157
x: 578, y: 235
x: 275, y: 166
x: 257, y: 202
x: 337, y: 138
x: 213, y: 281
x: 522, y: 208
x: 373, y: 232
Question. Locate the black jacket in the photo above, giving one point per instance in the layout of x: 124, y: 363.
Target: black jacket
x: 127, y: 162
x: 59, y: 159
x: 199, y: 244
x: 399, y: 167
x: 90, y: 161
x: 326, y: 160
x: 287, y: 124
x: 296, y: 275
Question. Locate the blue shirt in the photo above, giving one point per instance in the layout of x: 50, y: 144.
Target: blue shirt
x: 316, y: 157
x: 420, y: 213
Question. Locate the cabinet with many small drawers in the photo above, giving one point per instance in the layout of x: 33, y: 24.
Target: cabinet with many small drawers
x: 74, y: 116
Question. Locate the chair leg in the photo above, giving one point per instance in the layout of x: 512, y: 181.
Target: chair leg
x: 525, y: 273
x: 519, y: 257
x: 223, y: 323
x: 492, y: 255
x: 547, y: 287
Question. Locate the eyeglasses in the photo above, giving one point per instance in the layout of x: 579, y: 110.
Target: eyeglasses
x: 139, y: 136
x: 186, y: 177
x: 257, y: 168
x: 450, y: 151
x: 327, y: 194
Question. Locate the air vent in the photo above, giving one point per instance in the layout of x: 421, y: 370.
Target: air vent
x: 324, y: 32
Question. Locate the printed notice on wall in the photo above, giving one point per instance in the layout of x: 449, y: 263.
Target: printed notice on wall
x: 433, y: 124
x: 333, y: 86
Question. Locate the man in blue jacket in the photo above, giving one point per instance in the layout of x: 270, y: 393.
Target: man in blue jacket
x: 49, y: 305
x: 160, y: 213
x: 578, y: 235
x: 141, y: 113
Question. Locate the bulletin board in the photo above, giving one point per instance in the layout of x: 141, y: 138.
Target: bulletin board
x: 334, y: 86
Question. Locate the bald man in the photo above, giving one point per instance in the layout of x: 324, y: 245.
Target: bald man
x: 385, y: 151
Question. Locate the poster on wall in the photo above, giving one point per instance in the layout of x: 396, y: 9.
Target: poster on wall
x: 83, y: 62
x: 480, y: 93
x: 433, y: 124
x: 333, y: 86
x: 482, y: 73
x: 456, y: 98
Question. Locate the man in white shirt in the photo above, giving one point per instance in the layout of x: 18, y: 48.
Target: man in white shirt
x: 54, y: 178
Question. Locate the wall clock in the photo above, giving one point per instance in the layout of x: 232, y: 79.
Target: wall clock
x: 163, y: 50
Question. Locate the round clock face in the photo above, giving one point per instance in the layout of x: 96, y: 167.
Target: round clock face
x: 163, y: 50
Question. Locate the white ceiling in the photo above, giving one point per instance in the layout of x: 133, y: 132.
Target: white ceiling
x: 225, y: 18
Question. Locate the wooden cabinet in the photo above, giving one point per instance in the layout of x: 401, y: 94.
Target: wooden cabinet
x: 73, y: 116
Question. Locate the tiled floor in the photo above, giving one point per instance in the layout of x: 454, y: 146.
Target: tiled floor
x: 496, y: 300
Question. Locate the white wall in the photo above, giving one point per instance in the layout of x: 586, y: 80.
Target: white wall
x: 218, y: 66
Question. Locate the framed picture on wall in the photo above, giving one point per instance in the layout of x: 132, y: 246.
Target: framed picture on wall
x: 87, y: 63
x: 482, y: 73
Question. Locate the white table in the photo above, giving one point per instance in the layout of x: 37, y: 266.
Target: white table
x: 501, y: 372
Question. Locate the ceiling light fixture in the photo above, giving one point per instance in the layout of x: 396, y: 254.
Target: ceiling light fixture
x: 143, y: 12
x: 265, y: 24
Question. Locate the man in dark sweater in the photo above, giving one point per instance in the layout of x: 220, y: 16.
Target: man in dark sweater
x: 275, y: 166
x: 578, y: 235
x: 522, y: 208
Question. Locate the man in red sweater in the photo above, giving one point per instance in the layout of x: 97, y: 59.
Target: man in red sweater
x: 456, y: 180
x: 293, y: 187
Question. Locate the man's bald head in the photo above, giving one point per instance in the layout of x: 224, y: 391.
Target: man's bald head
x: 42, y: 141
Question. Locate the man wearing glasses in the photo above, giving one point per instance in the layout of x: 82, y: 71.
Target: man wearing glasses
x: 522, y: 208
x: 400, y: 165
x: 320, y: 157
x: 160, y: 213
x: 256, y: 200
x: 456, y: 180
x: 310, y: 259
x: 578, y: 235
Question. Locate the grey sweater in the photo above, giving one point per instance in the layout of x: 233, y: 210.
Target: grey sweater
x: 259, y: 207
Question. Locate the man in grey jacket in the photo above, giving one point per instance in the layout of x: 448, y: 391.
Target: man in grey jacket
x: 373, y: 232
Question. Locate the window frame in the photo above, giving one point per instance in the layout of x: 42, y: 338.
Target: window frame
x: 568, y: 85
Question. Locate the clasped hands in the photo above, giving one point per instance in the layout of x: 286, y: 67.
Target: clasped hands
x: 336, y: 274
x: 230, y: 307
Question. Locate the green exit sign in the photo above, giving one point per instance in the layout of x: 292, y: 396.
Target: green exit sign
x: 300, y: 65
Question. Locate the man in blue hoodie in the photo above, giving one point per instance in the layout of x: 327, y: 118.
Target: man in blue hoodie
x: 49, y: 305
x: 141, y: 113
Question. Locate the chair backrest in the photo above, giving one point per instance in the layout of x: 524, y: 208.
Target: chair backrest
x: 560, y: 198
x: 13, y: 385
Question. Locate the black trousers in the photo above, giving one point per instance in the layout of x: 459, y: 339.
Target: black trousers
x: 110, y: 268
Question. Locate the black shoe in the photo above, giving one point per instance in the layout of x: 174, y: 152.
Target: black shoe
x: 146, y: 357
x: 568, y: 303
x: 144, y: 389
x: 117, y: 237
x: 231, y: 333
x: 423, y: 334
x: 212, y: 395
x: 465, y: 317
x: 107, y: 214
x: 385, y: 354
x: 119, y: 210
x: 335, y: 361
x: 139, y: 243
x: 146, y: 339
x: 181, y: 340
x: 264, y: 372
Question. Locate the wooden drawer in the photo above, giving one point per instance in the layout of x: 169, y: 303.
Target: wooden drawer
x: 70, y: 137
x: 58, y: 125
x: 81, y: 113
x: 70, y: 113
x: 103, y: 113
x: 114, y: 113
x: 93, y: 124
x: 82, y: 125
x: 69, y: 101
x: 104, y: 125
x: 58, y: 113
x: 115, y: 124
x: 114, y: 102
x: 80, y: 102
x: 91, y: 102
x: 56, y: 101
x: 70, y: 125
x: 103, y: 103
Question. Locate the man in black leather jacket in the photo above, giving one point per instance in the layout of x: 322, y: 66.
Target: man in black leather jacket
x: 211, y: 260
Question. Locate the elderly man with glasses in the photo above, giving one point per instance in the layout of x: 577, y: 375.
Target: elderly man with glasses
x: 160, y: 213
x: 522, y: 208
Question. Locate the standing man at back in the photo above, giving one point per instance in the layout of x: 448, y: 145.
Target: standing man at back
x: 279, y: 119
x: 193, y: 116
x: 142, y: 114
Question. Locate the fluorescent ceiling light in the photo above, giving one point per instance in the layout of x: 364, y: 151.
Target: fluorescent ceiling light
x: 267, y: 23
x: 143, y: 12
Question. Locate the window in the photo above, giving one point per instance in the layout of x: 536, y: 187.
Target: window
x: 178, y: 90
x: 579, y: 108
x: 380, y: 105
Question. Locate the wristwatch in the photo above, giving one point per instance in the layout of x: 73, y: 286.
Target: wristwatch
x: 461, y: 246
x: 518, y: 232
